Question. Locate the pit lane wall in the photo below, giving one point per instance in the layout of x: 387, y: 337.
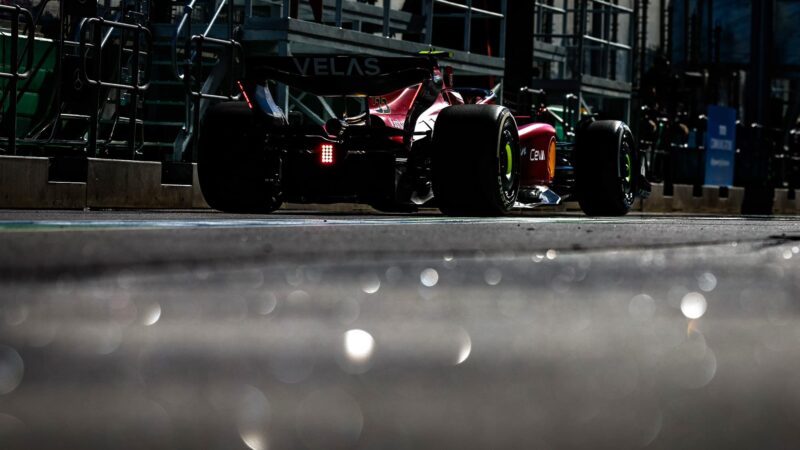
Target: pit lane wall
x: 25, y: 182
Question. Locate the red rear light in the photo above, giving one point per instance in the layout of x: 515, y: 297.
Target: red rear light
x: 326, y: 154
x: 244, y: 93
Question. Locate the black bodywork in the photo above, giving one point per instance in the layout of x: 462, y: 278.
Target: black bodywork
x: 375, y: 164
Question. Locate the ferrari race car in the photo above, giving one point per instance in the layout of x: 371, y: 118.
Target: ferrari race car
x: 401, y: 137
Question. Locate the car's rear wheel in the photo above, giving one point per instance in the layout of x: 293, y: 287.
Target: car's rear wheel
x: 233, y: 168
x: 475, y: 160
x: 605, y: 174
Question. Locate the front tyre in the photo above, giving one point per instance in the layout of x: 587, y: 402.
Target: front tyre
x: 605, y: 162
x: 475, y: 160
x: 232, y: 165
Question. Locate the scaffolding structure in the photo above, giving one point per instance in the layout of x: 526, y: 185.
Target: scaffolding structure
x: 131, y: 79
x: 587, y: 48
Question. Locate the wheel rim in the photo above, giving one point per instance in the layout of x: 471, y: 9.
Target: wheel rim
x: 509, y: 161
x: 507, y: 167
x: 626, y: 170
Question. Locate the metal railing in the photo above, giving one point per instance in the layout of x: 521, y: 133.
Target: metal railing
x: 194, y: 49
x: 463, y: 9
x: 96, y: 25
x: 14, y: 75
x: 469, y: 13
x: 236, y: 48
x: 76, y: 26
x: 553, y: 25
x: 193, y: 62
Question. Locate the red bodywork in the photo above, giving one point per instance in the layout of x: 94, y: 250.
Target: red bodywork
x: 539, y: 156
x: 393, y: 108
x: 537, y: 140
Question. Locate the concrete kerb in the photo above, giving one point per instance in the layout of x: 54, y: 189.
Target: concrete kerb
x: 134, y: 184
x: 110, y: 184
x: 24, y: 184
x: 684, y: 200
x: 657, y: 201
x: 783, y: 204
x: 137, y: 184
x: 198, y: 201
x: 713, y: 203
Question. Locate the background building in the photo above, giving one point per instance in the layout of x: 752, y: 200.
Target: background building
x: 658, y: 64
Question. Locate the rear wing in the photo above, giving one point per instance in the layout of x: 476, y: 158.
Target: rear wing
x: 328, y: 75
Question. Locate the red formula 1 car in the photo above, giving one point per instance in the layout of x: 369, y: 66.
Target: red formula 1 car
x: 401, y: 137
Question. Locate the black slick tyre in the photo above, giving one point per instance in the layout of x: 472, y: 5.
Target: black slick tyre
x: 232, y: 165
x: 475, y: 160
x: 605, y: 175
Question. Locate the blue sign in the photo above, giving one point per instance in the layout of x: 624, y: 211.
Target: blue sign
x: 720, y: 146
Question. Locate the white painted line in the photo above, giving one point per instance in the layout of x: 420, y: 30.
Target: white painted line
x: 293, y: 222
x: 54, y: 225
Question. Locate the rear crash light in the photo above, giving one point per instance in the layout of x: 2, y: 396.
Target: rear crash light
x: 326, y: 154
x: 244, y: 94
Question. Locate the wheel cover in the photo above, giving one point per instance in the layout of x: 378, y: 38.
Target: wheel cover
x: 626, y: 170
x: 509, y: 161
x: 507, y: 172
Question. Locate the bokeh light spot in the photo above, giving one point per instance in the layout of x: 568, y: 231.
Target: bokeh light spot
x: 370, y: 283
x: 707, y: 282
x: 11, y: 369
x: 359, y: 345
x: 264, y: 303
x: 693, y: 305
x: 465, y: 346
x: 429, y: 277
x: 151, y: 314
x: 492, y: 276
x: 254, y: 439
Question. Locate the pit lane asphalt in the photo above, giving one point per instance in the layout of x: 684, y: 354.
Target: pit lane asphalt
x: 318, y: 330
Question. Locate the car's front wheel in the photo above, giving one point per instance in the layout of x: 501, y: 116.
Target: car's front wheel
x: 605, y: 168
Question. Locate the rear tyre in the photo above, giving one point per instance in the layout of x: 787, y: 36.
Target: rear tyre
x: 605, y: 174
x: 475, y: 160
x: 232, y: 164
